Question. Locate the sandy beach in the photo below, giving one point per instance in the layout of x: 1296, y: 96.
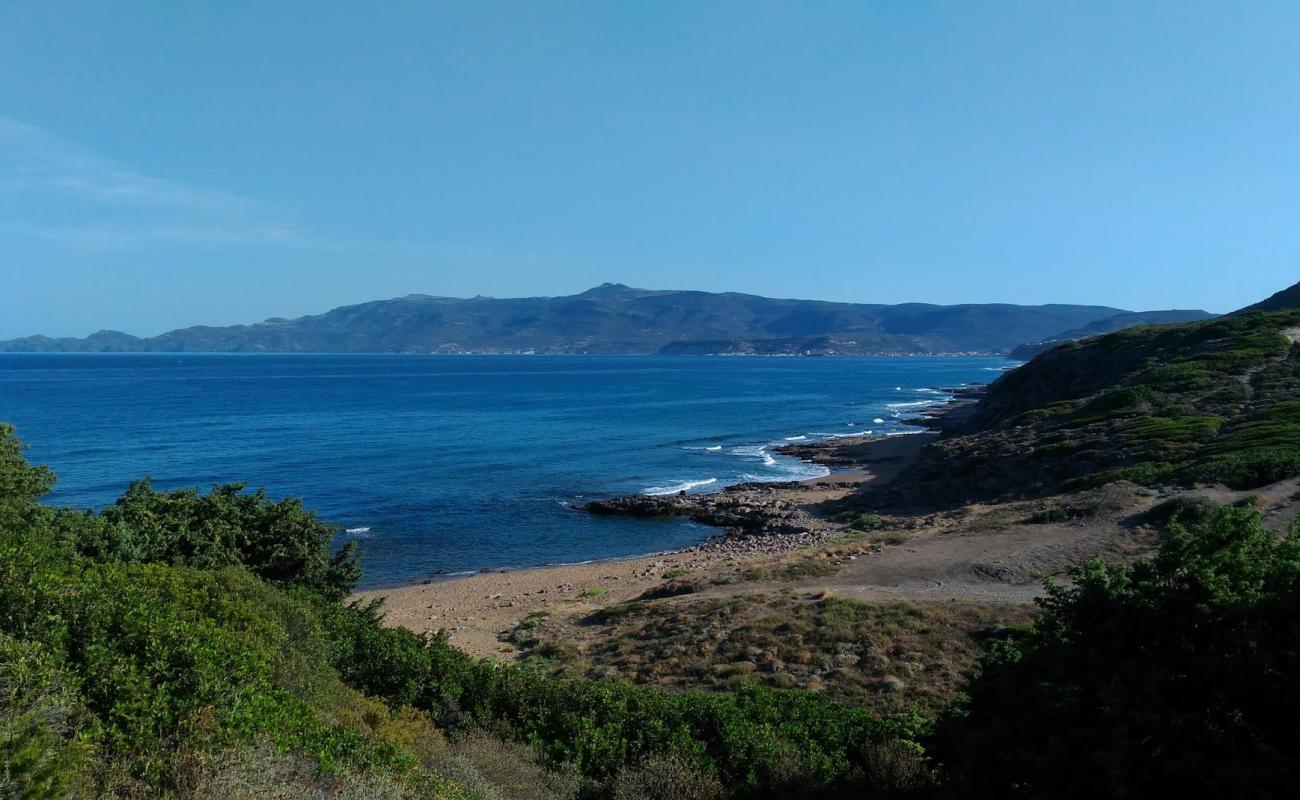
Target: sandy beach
x: 476, y: 609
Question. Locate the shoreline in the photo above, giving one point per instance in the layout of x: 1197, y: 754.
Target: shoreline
x: 755, y: 522
x: 848, y: 458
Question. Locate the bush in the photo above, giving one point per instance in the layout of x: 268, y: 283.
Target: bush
x: 752, y: 739
x: 41, y: 753
x: 1177, y: 676
x: 1187, y: 510
x: 665, y: 778
x: 1248, y: 470
x: 278, y: 541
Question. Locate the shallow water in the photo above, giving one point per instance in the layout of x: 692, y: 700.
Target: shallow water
x: 456, y: 462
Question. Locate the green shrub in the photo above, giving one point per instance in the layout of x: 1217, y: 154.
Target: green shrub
x: 1248, y: 470
x: 281, y: 542
x: 752, y: 739
x: 1112, y: 401
x: 1176, y: 676
x: 1186, y: 510
x: 665, y: 778
x: 1182, y: 429
x: 42, y: 751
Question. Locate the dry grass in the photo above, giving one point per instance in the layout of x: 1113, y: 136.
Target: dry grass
x: 889, y: 657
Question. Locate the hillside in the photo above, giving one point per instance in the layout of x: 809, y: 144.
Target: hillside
x: 1286, y: 299
x: 613, y: 319
x: 1119, y: 322
x: 1214, y: 402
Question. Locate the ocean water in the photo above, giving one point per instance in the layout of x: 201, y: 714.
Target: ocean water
x: 444, y: 464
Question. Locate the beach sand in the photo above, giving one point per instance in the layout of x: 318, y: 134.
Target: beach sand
x: 476, y: 609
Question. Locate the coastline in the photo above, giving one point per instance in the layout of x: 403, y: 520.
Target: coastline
x: 755, y: 521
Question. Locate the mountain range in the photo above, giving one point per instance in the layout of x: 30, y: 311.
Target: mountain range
x: 617, y: 319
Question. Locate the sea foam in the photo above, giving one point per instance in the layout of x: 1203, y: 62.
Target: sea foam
x: 684, y: 486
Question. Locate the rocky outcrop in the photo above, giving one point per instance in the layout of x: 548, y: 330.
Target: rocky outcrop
x: 751, y: 509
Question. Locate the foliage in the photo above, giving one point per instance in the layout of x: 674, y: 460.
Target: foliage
x: 666, y: 778
x: 278, y: 541
x: 755, y: 740
x: 40, y: 749
x: 111, y: 669
x: 1205, y: 402
x: 175, y: 626
x: 1179, y: 675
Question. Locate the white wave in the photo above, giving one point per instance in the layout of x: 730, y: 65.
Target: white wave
x: 756, y: 451
x: 906, y: 433
x: 878, y: 421
x: 930, y: 391
x: 849, y: 435
x: 796, y: 471
x: 913, y: 404
x: 715, y: 448
x: 684, y: 486
x: 354, y: 531
x: 795, y: 438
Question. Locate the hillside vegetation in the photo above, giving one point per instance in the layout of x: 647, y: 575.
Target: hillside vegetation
x: 1208, y: 402
x: 1119, y: 322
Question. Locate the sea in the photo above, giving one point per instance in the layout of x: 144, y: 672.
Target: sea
x: 440, y: 465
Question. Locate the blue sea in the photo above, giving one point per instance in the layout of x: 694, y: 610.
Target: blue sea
x: 445, y: 464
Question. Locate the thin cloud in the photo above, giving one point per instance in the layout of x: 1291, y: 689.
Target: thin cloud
x: 130, y: 236
x: 58, y: 191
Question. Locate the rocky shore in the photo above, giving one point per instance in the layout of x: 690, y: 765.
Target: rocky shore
x: 768, y: 518
x: 773, y: 518
x: 756, y: 522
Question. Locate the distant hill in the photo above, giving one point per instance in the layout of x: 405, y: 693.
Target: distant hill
x: 615, y: 319
x: 1118, y: 322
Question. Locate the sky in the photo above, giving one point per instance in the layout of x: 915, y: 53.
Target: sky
x: 171, y: 163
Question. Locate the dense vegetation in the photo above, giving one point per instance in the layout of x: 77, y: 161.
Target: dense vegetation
x: 1176, y: 677
x: 1213, y: 402
x: 174, y: 631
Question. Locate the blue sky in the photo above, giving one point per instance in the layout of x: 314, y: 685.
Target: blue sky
x: 171, y: 163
